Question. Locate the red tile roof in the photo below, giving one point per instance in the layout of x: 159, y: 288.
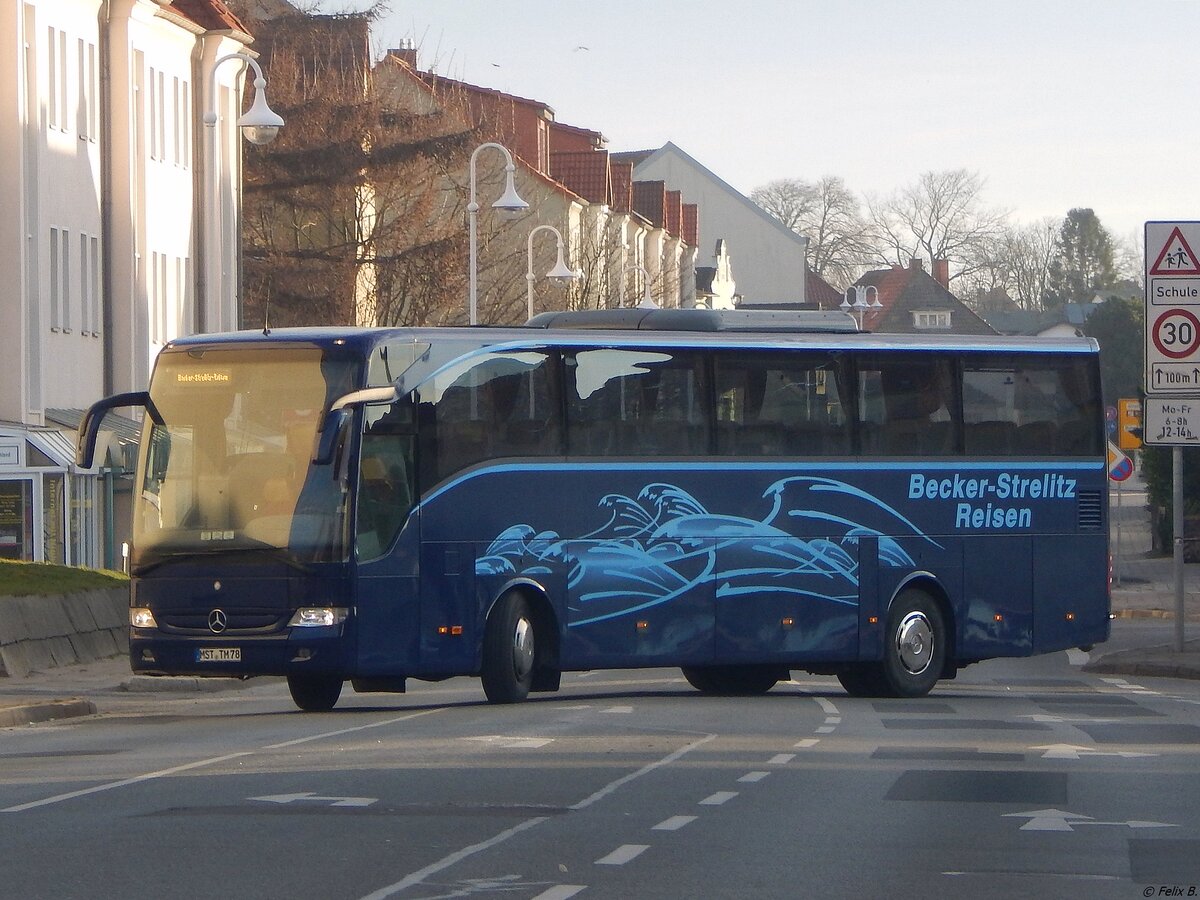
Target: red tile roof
x: 585, y: 172
x: 819, y: 291
x: 691, y: 224
x: 649, y: 200
x: 621, y: 175
x: 211, y: 15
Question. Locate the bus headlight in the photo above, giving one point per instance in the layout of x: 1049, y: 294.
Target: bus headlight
x: 142, y: 618
x: 319, y: 616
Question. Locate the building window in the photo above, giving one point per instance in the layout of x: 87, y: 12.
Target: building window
x: 60, y: 280
x: 931, y: 318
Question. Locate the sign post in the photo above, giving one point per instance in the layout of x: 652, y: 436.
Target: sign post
x: 1172, y: 410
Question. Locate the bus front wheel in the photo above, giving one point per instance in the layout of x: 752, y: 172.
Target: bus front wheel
x: 914, y: 652
x: 509, y: 651
x: 315, y: 693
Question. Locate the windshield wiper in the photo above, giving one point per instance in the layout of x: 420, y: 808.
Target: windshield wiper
x: 274, y: 553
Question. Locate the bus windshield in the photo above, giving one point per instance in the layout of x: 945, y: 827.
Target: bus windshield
x: 228, y: 466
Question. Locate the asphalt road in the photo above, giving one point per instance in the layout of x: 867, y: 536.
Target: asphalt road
x: 1021, y: 778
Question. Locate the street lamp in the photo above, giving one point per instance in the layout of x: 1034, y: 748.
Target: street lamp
x: 647, y: 302
x: 509, y: 202
x: 859, y: 308
x: 560, y: 272
x: 260, y: 124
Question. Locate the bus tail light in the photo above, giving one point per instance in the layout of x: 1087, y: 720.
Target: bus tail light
x: 140, y: 617
x: 319, y: 616
x: 643, y: 627
x: 452, y: 630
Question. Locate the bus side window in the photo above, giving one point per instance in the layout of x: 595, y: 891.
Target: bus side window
x: 780, y: 404
x: 908, y: 405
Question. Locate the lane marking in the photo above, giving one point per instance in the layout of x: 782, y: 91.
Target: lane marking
x: 454, y: 858
x: 644, y: 770
x: 561, y: 892
x: 827, y: 706
x: 833, y: 720
x: 216, y: 760
x: 806, y: 743
x: 623, y: 854
x: 718, y: 798
x: 781, y: 759
x: 512, y: 743
x: 825, y: 729
x: 1077, y: 657
x: 161, y: 773
x: 674, y: 823
x: 619, y: 710
x: 753, y: 777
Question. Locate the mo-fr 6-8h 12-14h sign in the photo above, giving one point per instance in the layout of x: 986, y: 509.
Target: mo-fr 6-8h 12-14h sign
x: 1173, y: 309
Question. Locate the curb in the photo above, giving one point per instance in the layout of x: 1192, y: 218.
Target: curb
x: 32, y: 713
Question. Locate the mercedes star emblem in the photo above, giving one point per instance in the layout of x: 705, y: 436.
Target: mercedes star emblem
x: 217, y: 621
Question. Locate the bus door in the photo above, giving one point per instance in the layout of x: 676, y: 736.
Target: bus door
x: 387, y: 542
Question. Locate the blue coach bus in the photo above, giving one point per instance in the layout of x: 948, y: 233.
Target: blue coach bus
x: 736, y: 494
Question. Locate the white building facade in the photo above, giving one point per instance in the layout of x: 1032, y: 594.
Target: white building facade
x: 109, y: 240
x: 770, y: 258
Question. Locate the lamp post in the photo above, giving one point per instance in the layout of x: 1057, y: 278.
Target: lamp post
x: 560, y: 272
x: 647, y: 302
x: 859, y: 308
x: 259, y: 124
x: 510, y: 202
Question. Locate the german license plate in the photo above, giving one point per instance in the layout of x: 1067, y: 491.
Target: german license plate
x: 218, y: 654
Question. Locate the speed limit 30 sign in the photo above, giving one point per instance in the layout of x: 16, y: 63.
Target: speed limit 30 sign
x: 1173, y: 309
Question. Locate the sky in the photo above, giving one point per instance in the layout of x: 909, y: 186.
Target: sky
x: 1055, y: 104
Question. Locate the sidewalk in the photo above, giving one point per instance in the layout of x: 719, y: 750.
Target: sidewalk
x: 1143, y: 588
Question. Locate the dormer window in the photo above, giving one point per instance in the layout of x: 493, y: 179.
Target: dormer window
x: 931, y: 318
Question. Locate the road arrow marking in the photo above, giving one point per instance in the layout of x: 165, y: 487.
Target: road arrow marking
x: 1070, y: 751
x: 310, y: 797
x: 1060, y: 820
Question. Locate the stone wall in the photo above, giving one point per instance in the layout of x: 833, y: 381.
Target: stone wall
x: 46, y: 631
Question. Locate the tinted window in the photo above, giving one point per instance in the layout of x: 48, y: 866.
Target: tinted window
x: 636, y: 403
x: 907, y: 405
x: 1031, y: 405
x: 780, y: 404
x: 488, y: 406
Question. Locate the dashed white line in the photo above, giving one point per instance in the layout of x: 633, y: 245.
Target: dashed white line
x: 806, y: 743
x: 718, y: 798
x: 753, y: 777
x: 781, y: 759
x: 623, y: 854
x: 674, y: 823
x: 621, y: 710
x: 825, y: 729
x: 833, y: 720
x: 827, y: 706
x: 561, y: 892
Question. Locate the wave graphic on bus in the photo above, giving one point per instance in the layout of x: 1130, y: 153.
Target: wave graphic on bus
x: 665, y: 543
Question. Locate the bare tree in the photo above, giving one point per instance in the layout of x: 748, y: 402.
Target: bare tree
x: 828, y: 213
x: 344, y: 215
x: 939, y: 216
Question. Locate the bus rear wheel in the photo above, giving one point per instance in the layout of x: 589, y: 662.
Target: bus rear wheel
x: 509, y: 651
x: 315, y: 693
x: 744, y: 681
x: 914, y: 652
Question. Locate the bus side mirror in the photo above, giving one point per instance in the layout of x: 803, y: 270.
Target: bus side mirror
x: 340, y: 415
x: 89, y: 428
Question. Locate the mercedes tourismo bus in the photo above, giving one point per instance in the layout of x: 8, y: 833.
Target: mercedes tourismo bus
x: 736, y: 494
